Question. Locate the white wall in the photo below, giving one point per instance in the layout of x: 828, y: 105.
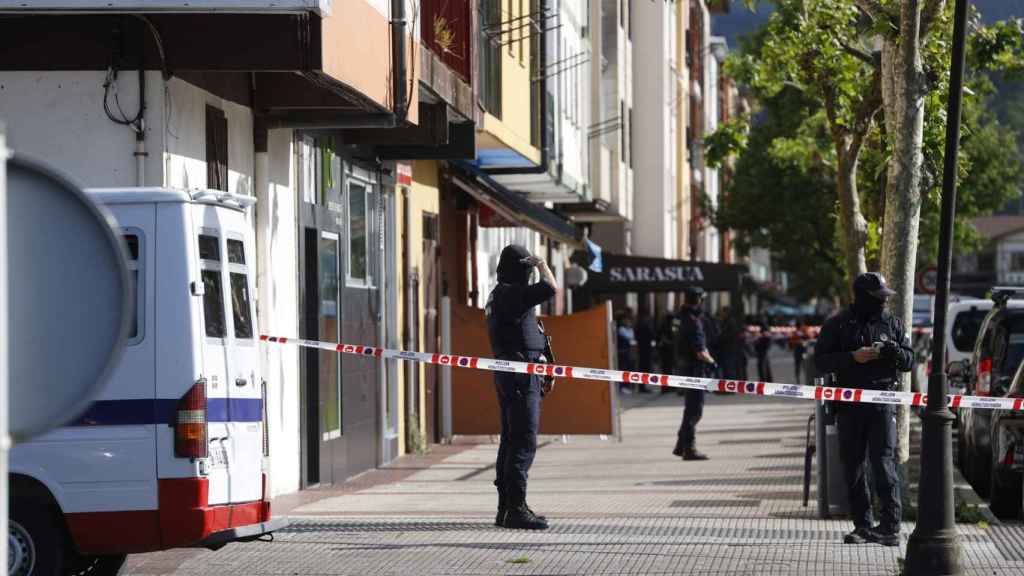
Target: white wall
x: 58, y: 118
x: 185, y: 158
x: 277, y: 306
x: 655, y: 192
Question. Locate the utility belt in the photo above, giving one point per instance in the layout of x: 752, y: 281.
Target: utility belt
x: 521, y: 356
x: 881, y: 384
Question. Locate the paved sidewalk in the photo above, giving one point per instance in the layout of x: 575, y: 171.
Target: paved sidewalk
x: 615, y: 508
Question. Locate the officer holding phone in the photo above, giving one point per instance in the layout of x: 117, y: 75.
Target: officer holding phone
x: 866, y: 347
x: 517, y: 335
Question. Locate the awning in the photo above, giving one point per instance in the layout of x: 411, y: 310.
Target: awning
x: 511, y: 208
x: 640, y: 274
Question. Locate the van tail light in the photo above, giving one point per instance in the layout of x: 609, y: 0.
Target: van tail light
x: 1008, y: 458
x: 984, y: 377
x: 190, y: 439
x: 928, y: 369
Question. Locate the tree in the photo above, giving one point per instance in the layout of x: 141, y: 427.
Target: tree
x: 810, y: 46
x: 826, y: 49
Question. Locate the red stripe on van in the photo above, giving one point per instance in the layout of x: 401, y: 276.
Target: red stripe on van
x: 115, y: 532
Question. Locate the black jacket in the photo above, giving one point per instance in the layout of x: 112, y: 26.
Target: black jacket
x: 843, y: 333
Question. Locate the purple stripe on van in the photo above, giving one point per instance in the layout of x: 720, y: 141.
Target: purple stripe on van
x: 161, y: 411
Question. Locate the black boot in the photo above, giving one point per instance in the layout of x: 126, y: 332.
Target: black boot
x: 521, y: 517
x: 500, y: 518
x: 694, y: 454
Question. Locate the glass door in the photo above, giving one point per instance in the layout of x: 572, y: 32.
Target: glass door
x: 329, y: 364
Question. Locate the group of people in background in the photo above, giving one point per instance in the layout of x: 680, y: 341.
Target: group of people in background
x: 646, y: 344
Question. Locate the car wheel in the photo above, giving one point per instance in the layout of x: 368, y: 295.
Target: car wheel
x: 981, y: 474
x: 1005, y: 495
x: 37, y: 542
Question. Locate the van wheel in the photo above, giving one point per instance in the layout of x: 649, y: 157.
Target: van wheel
x: 36, y: 541
x: 98, y: 565
x: 1005, y: 495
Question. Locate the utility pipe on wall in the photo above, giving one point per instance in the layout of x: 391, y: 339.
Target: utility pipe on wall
x: 399, y: 90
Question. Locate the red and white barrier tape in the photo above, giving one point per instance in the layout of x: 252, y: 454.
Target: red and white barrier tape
x: 665, y: 381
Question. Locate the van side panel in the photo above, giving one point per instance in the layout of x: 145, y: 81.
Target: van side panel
x: 101, y: 467
x: 179, y: 339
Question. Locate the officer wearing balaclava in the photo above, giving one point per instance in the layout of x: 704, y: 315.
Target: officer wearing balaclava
x: 516, y: 335
x: 865, y: 347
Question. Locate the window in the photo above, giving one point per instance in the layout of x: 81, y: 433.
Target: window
x: 216, y: 149
x: 357, y: 231
x: 241, y: 306
x: 630, y: 127
x: 1016, y: 261
x: 965, y: 329
x: 213, y: 288
x: 624, y: 153
x: 490, y: 56
x: 136, y: 275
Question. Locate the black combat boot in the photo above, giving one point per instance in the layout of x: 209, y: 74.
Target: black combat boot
x: 694, y: 454
x: 500, y: 518
x: 521, y: 517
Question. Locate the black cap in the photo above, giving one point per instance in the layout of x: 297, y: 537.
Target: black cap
x: 874, y: 284
x: 693, y: 291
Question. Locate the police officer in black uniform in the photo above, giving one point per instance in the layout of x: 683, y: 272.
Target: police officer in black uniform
x: 693, y: 360
x: 866, y: 348
x: 516, y: 335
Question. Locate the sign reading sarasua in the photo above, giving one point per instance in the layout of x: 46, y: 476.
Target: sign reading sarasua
x: 655, y: 273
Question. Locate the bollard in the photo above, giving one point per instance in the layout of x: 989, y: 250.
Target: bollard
x: 832, y: 496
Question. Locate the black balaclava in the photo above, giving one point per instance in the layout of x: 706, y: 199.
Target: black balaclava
x: 510, y: 268
x: 866, y: 306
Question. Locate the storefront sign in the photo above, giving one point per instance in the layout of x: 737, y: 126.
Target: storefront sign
x: 639, y: 274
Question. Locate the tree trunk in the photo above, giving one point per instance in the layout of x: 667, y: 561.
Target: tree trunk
x: 853, y: 226
x: 903, y: 91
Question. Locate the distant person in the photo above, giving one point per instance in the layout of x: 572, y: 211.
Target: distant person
x: 516, y: 335
x: 866, y: 347
x: 645, y: 337
x: 762, y: 346
x: 797, y: 344
x: 625, y: 344
x: 713, y: 334
x: 693, y: 360
x: 668, y: 331
x: 729, y: 338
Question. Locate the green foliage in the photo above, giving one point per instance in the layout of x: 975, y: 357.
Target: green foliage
x: 783, y: 200
x: 812, y: 57
x: 729, y: 140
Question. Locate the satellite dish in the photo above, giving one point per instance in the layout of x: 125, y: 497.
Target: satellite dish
x: 68, y: 298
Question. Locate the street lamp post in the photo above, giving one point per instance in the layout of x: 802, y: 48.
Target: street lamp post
x: 933, y: 548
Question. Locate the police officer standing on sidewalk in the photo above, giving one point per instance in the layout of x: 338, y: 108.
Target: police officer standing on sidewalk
x: 516, y: 335
x: 693, y: 360
x: 866, y: 347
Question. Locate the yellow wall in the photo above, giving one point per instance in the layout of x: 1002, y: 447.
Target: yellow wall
x: 423, y: 197
x: 512, y: 130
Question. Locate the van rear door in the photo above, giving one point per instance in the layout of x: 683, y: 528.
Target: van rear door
x: 245, y: 391
x: 213, y: 272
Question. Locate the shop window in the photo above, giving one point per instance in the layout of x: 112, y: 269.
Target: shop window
x: 216, y: 149
x: 1016, y: 261
x: 357, y: 232
x: 490, y: 56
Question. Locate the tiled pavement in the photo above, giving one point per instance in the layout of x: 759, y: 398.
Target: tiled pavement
x: 615, y: 508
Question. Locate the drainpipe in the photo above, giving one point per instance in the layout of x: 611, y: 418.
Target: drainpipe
x: 140, y: 132
x: 399, y: 87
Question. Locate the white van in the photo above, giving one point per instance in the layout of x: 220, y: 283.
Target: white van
x: 173, y: 452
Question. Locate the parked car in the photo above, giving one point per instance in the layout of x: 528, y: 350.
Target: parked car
x: 963, y: 323
x: 998, y: 351
x: 172, y: 454
x: 1005, y: 492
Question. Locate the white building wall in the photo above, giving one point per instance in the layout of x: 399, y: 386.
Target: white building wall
x: 570, y: 64
x: 654, y: 191
x: 711, y: 188
x: 278, y: 309
x: 58, y: 117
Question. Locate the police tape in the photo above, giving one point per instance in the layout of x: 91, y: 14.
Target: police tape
x: 772, y: 389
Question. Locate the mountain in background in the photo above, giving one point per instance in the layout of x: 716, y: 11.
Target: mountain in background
x: 741, y: 21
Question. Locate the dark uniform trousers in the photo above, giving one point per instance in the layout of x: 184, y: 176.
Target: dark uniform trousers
x: 693, y: 410
x: 519, y: 397
x: 870, y: 429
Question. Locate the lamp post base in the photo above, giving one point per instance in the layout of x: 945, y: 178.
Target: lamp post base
x: 933, y: 554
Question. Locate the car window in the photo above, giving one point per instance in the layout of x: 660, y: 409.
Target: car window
x: 1013, y: 349
x: 966, y: 326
